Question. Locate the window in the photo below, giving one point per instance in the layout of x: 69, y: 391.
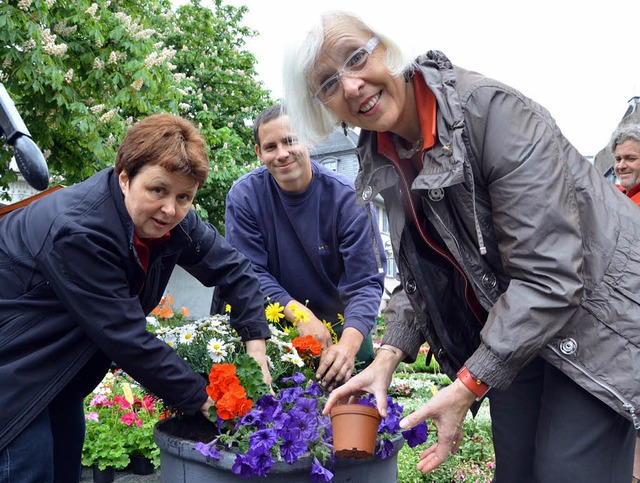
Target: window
x: 392, y: 269
x: 331, y: 163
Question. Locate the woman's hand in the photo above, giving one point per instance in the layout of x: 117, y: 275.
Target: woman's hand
x: 375, y: 380
x: 258, y: 350
x: 205, y: 407
x: 447, y: 408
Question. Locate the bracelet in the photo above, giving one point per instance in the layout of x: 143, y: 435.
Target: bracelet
x: 386, y: 348
x: 472, y: 383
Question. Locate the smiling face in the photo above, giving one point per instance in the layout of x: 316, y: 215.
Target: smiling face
x: 286, y: 159
x: 157, y: 200
x: 371, y: 99
x: 627, y: 165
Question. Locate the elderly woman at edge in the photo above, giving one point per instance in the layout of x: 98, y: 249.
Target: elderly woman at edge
x: 519, y: 261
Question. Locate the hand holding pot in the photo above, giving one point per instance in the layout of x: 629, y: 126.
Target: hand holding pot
x: 375, y: 380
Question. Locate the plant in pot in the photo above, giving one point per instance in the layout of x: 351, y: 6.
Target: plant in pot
x: 104, y: 443
x: 254, y: 432
x: 120, y: 420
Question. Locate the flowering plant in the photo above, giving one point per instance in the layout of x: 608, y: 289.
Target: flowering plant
x: 120, y: 418
x: 261, y: 424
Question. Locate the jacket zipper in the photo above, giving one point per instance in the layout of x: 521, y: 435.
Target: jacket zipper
x: 427, y: 240
x: 458, y: 247
x: 625, y: 404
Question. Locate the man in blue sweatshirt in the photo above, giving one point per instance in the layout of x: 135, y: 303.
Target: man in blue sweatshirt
x: 313, y: 248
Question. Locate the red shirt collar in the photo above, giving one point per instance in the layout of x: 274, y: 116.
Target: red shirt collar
x: 427, y: 109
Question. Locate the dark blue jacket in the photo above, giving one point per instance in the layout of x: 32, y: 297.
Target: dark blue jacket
x: 74, y: 296
x: 317, y: 245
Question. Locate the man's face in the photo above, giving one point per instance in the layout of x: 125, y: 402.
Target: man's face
x: 286, y: 159
x: 627, y: 165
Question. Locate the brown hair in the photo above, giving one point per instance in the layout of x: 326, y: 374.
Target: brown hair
x: 165, y: 140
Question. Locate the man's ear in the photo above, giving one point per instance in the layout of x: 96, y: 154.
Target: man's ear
x: 256, y: 148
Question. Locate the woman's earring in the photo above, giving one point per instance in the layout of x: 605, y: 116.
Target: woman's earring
x: 344, y: 128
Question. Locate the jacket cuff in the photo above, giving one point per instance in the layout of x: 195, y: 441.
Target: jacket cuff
x: 253, y: 331
x: 490, y: 369
x: 405, y: 339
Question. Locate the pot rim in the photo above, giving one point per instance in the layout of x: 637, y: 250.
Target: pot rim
x: 355, y: 408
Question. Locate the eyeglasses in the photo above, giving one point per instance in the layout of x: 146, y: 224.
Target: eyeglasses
x: 353, y: 66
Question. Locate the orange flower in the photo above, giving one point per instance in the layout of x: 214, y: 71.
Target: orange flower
x: 166, y: 312
x: 156, y: 311
x: 168, y: 299
x: 221, y: 378
x: 233, y: 403
x: 307, y: 345
x: 184, y: 311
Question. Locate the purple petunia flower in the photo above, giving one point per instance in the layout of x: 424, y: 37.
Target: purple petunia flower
x: 207, y: 449
x: 320, y: 473
x: 270, y: 406
x: 265, y: 438
x: 290, y: 394
x: 385, y: 450
x: 298, y: 379
x: 292, y: 446
x: 255, y: 462
x: 416, y: 435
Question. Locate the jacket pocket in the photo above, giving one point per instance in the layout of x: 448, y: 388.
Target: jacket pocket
x: 12, y: 327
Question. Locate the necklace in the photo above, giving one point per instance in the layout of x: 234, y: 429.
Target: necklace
x: 403, y: 152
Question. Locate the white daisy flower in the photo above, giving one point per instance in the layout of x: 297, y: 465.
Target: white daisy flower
x: 217, y: 350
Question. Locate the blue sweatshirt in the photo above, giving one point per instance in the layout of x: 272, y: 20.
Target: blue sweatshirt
x: 315, y: 246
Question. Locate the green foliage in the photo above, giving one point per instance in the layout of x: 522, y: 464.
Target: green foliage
x: 81, y: 72
x: 103, y: 447
x: 120, y: 421
x: 249, y: 372
x: 474, y: 461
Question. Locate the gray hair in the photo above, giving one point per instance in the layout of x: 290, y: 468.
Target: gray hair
x: 312, y: 121
x: 624, y: 133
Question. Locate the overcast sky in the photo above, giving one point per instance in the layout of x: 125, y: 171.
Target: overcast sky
x: 579, y: 59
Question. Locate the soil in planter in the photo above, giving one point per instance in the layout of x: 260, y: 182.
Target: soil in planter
x: 354, y: 453
x: 193, y: 428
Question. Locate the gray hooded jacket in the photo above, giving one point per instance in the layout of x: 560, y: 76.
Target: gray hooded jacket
x: 550, y: 248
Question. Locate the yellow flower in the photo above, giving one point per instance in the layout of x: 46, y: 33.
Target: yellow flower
x: 340, y: 318
x: 128, y: 393
x: 302, y: 316
x: 274, y: 312
x: 329, y: 327
x: 227, y: 308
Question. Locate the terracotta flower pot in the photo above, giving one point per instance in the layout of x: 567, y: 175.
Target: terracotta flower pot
x: 355, y: 429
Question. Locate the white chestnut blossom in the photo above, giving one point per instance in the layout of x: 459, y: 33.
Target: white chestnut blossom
x: 24, y: 5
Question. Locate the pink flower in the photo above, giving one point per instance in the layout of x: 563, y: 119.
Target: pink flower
x: 121, y: 402
x: 491, y: 465
x: 92, y: 416
x: 129, y: 418
x: 99, y: 400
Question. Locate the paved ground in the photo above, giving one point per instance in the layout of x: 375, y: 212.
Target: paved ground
x: 124, y: 477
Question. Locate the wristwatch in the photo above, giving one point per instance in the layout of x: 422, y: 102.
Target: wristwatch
x: 474, y: 384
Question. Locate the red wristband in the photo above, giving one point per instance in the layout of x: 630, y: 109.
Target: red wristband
x: 474, y: 384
